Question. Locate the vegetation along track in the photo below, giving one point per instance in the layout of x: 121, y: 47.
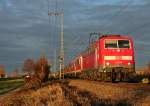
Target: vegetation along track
x: 81, y: 93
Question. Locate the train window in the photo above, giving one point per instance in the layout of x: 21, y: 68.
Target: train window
x: 77, y: 62
x: 110, y: 43
x: 123, y: 44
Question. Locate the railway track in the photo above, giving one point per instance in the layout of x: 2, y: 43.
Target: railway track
x: 78, y: 97
x: 84, y: 97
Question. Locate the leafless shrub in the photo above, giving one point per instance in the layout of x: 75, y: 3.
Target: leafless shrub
x: 42, y: 69
x: 28, y: 66
x: 32, y: 82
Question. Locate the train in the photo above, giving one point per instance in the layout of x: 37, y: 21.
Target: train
x: 108, y: 58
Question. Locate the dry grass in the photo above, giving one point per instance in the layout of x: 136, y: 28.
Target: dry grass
x: 142, y: 71
x: 115, y: 94
x: 143, y: 102
x: 80, y: 97
x: 46, y: 96
x: 81, y: 93
x: 104, y: 90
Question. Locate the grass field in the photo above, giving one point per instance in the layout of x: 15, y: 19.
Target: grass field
x: 7, y: 85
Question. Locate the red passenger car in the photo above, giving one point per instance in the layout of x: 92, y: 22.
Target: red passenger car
x: 111, y: 57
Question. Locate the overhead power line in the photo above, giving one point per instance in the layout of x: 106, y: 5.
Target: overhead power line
x: 115, y: 15
x: 139, y: 27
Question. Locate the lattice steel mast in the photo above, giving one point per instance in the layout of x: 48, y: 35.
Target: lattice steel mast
x: 61, y: 55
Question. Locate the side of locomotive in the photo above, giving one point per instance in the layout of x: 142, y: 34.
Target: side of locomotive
x: 110, y: 58
x: 74, y: 68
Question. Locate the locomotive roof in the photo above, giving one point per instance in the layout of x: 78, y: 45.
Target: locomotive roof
x: 112, y: 36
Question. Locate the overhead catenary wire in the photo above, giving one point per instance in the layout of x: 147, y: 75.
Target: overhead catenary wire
x: 115, y: 15
x: 138, y: 27
x: 75, y: 40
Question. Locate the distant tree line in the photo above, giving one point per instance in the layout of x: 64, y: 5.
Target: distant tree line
x: 2, y: 71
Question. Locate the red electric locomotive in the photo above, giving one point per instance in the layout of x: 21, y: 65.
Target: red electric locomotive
x: 110, y: 58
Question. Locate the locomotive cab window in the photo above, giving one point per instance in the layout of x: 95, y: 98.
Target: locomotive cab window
x: 117, y: 44
x: 110, y: 43
x: 123, y: 44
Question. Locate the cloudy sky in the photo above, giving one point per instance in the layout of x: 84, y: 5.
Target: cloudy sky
x: 26, y: 30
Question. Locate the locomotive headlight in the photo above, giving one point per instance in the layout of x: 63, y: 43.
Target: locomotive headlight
x: 129, y: 63
x: 107, y: 63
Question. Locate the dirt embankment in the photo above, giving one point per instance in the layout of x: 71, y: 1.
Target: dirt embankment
x: 125, y: 94
x: 81, y: 93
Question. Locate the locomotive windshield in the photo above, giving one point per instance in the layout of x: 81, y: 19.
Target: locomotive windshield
x: 110, y: 43
x: 123, y: 44
x: 117, y: 44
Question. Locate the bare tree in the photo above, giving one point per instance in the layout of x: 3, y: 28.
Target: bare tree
x: 28, y: 66
x: 2, y: 71
x: 42, y: 69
